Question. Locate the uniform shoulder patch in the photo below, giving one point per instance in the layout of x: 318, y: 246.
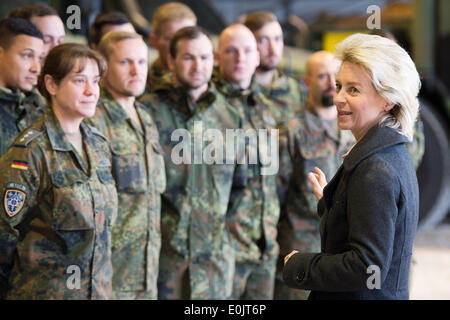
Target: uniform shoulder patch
x: 14, y: 201
x: 26, y: 137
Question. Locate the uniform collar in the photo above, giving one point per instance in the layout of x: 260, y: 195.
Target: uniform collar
x: 113, y: 108
x: 376, y: 139
x: 318, y: 124
x: 279, y: 83
x: 56, y: 135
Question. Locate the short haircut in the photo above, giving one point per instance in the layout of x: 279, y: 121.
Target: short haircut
x: 33, y: 9
x: 105, y: 46
x: 392, y: 72
x: 192, y: 32
x: 13, y: 27
x: 256, y: 20
x: 171, y: 11
x: 114, y: 18
x: 62, y: 59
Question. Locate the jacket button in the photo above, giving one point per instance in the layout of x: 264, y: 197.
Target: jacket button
x: 300, y: 276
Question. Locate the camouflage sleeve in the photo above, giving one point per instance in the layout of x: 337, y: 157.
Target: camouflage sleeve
x: 19, y: 184
x: 416, y: 147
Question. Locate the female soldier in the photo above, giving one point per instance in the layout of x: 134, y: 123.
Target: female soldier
x: 369, y: 210
x: 59, y: 198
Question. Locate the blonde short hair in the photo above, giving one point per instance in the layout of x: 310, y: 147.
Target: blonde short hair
x: 111, y: 38
x: 171, y: 11
x: 393, y: 74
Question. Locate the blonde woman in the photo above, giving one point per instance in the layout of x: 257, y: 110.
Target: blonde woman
x: 369, y: 209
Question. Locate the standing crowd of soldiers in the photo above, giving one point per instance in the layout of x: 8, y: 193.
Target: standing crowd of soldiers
x: 87, y: 173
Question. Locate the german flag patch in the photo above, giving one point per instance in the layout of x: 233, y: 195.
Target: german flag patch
x: 22, y: 165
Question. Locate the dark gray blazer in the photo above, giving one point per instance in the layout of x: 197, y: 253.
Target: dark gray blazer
x: 369, y: 214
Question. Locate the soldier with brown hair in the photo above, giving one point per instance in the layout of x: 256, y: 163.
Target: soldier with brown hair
x: 197, y: 259
x: 167, y: 19
x: 283, y: 90
x: 106, y: 22
x: 58, y: 194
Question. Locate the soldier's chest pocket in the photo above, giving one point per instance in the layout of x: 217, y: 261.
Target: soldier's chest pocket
x: 128, y: 169
x: 315, y: 157
x: 72, y: 201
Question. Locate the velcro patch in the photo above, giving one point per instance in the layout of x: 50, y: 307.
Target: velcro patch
x: 14, y: 201
x: 29, y: 135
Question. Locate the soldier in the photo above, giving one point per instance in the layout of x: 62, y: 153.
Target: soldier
x: 137, y: 166
x: 48, y: 22
x: 282, y: 90
x: 59, y: 197
x: 313, y: 140
x: 106, y: 22
x: 197, y: 259
x: 21, y: 51
x: 254, y: 209
x: 46, y: 19
x: 167, y: 19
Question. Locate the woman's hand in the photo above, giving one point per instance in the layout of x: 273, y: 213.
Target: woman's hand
x: 318, y: 182
x: 289, y: 255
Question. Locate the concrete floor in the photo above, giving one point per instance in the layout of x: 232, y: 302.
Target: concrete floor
x: 430, y: 278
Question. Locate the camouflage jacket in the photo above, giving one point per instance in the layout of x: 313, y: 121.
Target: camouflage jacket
x: 416, y: 148
x: 254, y: 208
x: 312, y: 142
x: 155, y: 76
x: 195, y: 202
x: 17, y: 112
x: 287, y: 96
x: 57, y: 214
x: 138, y: 169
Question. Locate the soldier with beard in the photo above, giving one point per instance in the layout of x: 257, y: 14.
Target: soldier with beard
x: 196, y: 260
x: 283, y: 90
x: 313, y: 140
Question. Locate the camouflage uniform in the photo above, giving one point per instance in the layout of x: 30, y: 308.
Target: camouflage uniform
x: 57, y: 214
x: 254, y: 209
x: 312, y: 142
x: 416, y: 148
x: 286, y: 93
x: 288, y: 97
x: 155, y: 76
x: 196, y: 260
x: 17, y: 112
x: 138, y: 168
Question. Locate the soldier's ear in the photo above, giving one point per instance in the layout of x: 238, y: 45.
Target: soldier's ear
x: 50, y: 84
